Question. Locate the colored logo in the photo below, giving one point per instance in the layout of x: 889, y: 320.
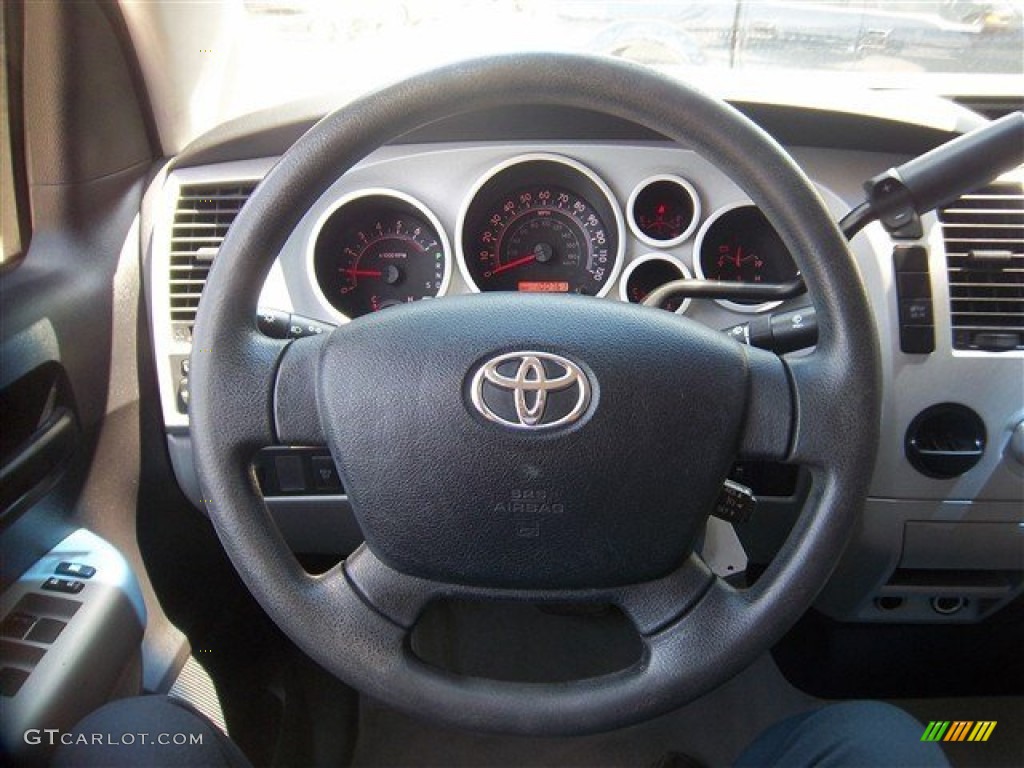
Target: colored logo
x: 530, y: 390
x: 958, y: 730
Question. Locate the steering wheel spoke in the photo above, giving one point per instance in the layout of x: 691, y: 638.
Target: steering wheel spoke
x: 820, y: 427
x: 654, y: 605
x: 246, y: 371
x: 650, y: 605
x: 769, y: 421
x: 296, y: 417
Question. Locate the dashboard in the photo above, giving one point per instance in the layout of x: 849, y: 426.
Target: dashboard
x: 613, y: 212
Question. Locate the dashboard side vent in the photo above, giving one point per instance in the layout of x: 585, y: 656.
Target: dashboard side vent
x: 201, y: 220
x: 984, y: 234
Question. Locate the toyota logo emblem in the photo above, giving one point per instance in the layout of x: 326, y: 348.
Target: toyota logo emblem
x: 530, y: 390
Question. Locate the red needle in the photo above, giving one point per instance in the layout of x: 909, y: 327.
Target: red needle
x: 362, y: 272
x: 739, y: 256
x: 515, y: 263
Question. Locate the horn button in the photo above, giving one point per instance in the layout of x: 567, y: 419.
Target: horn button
x: 530, y: 390
x: 531, y: 442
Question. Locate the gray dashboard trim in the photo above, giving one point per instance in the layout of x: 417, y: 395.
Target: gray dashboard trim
x: 271, y: 132
x: 440, y: 174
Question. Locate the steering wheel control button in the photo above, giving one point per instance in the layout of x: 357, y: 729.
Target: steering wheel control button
x: 77, y: 570
x: 530, y: 390
x: 325, y: 474
x: 287, y: 471
x: 736, y: 503
x: 273, y: 322
x: 299, y: 327
x: 67, y: 586
x: 290, y: 475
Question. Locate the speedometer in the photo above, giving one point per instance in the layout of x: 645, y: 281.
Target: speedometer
x: 541, y: 224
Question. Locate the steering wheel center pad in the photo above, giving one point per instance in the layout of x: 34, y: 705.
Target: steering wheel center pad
x: 615, y: 497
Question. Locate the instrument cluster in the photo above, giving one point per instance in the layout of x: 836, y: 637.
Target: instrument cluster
x: 538, y: 223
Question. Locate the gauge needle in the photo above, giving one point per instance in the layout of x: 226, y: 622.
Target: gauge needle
x: 739, y: 256
x: 362, y: 272
x: 515, y: 263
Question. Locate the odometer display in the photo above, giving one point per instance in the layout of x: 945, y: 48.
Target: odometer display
x: 541, y: 225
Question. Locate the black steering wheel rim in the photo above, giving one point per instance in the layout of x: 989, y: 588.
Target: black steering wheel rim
x: 697, y: 631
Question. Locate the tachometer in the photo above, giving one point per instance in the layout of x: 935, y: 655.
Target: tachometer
x: 739, y: 244
x: 542, y: 224
x: 376, y: 249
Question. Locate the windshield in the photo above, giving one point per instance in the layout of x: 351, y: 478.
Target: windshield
x: 255, y: 54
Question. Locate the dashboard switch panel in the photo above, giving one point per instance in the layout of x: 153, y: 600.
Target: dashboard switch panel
x: 914, y: 293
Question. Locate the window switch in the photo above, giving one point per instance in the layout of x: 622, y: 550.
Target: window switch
x: 77, y: 570
x: 17, y: 625
x: 68, y: 586
x: 11, y: 680
x: 46, y: 631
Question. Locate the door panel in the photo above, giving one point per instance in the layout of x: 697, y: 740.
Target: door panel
x: 69, y: 382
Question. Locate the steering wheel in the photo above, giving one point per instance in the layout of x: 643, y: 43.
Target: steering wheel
x: 425, y: 410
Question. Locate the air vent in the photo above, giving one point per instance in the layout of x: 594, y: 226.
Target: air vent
x: 984, y: 234
x: 201, y: 220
